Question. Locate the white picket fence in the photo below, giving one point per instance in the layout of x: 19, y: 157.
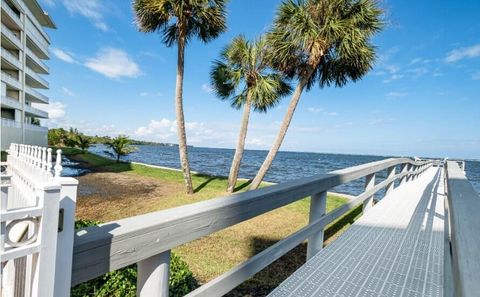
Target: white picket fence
x: 37, y: 211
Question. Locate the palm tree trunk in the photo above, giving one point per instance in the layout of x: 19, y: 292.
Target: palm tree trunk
x: 280, y: 136
x: 182, y: 137
x: 237, y: 159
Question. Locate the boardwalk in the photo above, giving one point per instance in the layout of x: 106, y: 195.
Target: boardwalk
x: 395, y: 249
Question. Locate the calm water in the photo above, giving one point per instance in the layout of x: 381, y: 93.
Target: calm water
x: 287, y: 165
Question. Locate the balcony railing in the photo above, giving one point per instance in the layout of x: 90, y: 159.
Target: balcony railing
x: 39, y: 43
x: 11, y: 80
x: 12, y: 37
x: 36, y: 128
x: 11, y: 123
x: 36, y: 112
x: 10, y: 102
x: 12, y: 59
x: 15, y: 17
x: 37, y: 95
x: 37, y: 60
x: 37, y: 77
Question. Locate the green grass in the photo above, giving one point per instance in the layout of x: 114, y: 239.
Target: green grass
x: 207, y: 257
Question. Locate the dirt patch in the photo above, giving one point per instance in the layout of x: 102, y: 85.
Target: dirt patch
x: 122, y: 194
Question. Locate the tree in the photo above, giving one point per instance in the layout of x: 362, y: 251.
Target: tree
x: 84, y: 142
x: 243, y: 77
x: 71, y: 138
x: 120, y: 146
x: 57, y: 137
x: 179, y: 21
x: 320, y: 41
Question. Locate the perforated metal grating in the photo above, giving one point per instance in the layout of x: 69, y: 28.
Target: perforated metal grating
x: 396, y: 249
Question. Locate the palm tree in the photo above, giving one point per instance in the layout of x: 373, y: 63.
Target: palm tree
x: 120, y: 146
x: 243, y: 77
x: 84, y: 142
x: 320, y: 41
x: 179, y: 21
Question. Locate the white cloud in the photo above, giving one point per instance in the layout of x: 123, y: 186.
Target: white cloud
x: 393, y: 77
x: 397, y: 94
x: 331, y: 113
x: 162, y: 129
x: 90, y: 9
x: 68, y: 92
x: 113, y: 63
x: 55, y: 109
x: 463, y: 53
x: 207, y: 88
x: 314, y: 109
x: 62, y: 55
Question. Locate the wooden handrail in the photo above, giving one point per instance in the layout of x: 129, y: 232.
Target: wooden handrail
x: 116, y: 244
x: 463, y: 205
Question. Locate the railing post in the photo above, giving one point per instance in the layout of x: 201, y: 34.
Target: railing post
x: 63, y: 270
x: 318, y: 207
x: 153, y: 274
x: 44, y: 277
x: 369, y: 183
x: 4, y: 184
x: 390, y: 186
x: 403, y: 169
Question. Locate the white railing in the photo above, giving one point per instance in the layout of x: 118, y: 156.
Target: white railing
x: 34, y: 93
x: 37, y: 60
x: 10, y: 102
x: 11, y: 123
x: 15, y: 17
x: 11, y: 58
x: 38, y: 42
x: 36, y: 242
x: 148, y: 239
x: 11, y: 80
x: 37, y: 77
x: 36, y: 128
x: 36, y: 111
x: 13, y: 38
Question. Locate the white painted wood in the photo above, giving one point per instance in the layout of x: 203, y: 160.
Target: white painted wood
x: 318, y: 208
x: 63, y: 270
x: 369, y: 184
x: 390, y: 174
x: 464, y: 204
x: 404, y: 169
x: 5, y: 288
x: 43, y: 281
x: 153, y: 274
x: 117, y: 244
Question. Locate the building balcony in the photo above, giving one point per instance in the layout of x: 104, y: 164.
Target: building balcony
x: 11, y: 123
x: 34, y: 96
x: 9, y: 38
x: 37, y: 44
x: 13, y: 17
x: 11, y: 59
x: 35, y: 63
x: 36, y: 128
x: 34, y: 79
x: 35, y: 112
x: 11, y: 103
x: 11, y: 81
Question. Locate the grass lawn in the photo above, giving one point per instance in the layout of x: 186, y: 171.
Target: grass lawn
x: 215, y: 254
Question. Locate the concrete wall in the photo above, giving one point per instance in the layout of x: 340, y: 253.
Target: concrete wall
x: 32, y: 137
x: 9, y: 135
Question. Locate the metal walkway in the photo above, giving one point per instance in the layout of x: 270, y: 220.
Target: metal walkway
x: 395, y: 249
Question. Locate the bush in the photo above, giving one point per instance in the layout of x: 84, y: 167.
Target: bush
x: 123, y: 282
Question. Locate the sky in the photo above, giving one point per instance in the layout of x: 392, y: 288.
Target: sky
x: 420, y: 99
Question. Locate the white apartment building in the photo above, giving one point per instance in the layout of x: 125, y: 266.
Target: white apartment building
x: 24, y: 49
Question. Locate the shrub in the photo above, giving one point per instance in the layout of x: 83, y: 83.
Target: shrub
x: 123, y: 282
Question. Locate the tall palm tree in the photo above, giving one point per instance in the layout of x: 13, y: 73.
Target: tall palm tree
x: 179, y: 21
x: 320, y: 41
x: 243, y: 77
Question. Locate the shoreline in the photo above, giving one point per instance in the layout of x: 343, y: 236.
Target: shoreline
x: 343, y: 195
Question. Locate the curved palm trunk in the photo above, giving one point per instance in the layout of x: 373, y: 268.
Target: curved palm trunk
x: 280, y: 136
x: 237, y: 159
x: 182, y: 137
